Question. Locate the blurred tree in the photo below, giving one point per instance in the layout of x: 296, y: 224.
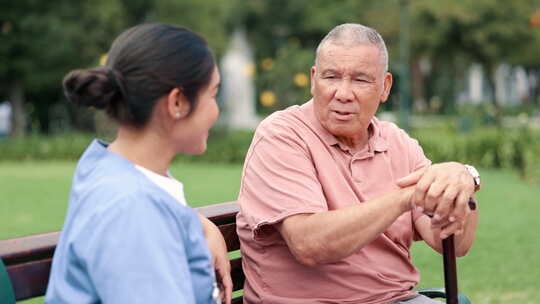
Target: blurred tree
x: 271, y: 23
x: 526, y: 54
x: 452, y: 34
x: 213, y: 19
x: 136, y: 11
x: 41, y: 42
x: 287, y: 33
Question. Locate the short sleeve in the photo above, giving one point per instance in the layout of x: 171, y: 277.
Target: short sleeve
x: 136, y: 253
x: 418, y: 159
x: 279, y: 180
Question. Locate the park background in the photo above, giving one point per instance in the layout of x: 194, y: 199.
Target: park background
x: 467, y: 86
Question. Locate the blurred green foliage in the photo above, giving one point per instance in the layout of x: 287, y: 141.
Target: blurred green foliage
x: 287, y: 76
x: 222, y: 147
x: 488, y: 147
x: 41, y: 42
x: 230, y: 147
x: 37, y: 147
x: 447, y: 36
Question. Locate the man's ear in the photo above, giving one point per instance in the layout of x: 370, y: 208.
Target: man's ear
x: 312, y: 78
x: 177, y: 104
x: 387, y: 83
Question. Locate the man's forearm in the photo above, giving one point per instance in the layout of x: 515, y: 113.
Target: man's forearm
x: 330, y: 236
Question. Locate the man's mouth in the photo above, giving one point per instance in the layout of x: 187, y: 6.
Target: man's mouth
x: 342, y: 115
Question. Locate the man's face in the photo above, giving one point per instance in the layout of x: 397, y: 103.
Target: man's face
x: 347, y: 84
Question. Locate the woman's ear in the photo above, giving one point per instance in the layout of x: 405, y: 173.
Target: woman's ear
x: 178, y: 106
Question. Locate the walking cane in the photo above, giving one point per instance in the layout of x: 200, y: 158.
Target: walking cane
x: 449, y: 261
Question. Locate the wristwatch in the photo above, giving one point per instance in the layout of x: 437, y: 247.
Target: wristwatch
x: 475, y: 175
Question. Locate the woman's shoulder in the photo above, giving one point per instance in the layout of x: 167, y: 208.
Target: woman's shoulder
x: 121, y: 191
x: 108, y: 189
x: 132, y: 191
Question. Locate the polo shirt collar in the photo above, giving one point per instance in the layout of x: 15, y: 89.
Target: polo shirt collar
x: 376, y: 141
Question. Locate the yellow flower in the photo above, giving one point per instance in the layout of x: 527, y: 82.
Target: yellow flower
x: 301, y: 80
x: 249, y: 69
x: 267, y: 64
x: 103, y: 59
x: 268, y: 98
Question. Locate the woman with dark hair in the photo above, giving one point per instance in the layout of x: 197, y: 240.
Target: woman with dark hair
x: 129, y: 236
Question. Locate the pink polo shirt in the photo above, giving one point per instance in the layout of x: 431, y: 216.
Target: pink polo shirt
x: 295, y: 166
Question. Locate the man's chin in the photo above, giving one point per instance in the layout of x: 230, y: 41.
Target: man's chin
x: 345, y: 131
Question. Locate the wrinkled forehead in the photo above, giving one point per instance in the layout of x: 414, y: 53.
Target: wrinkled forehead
x: 350, y: 57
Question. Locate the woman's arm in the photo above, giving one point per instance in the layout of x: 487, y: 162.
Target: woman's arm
x: 218, y: 249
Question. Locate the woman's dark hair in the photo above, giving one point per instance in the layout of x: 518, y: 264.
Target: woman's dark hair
x: 144, y: 63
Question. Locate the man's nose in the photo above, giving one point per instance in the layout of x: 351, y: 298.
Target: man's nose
x: 344, y: 91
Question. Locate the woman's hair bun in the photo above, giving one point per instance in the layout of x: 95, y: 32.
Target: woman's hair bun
x: 95, y: 87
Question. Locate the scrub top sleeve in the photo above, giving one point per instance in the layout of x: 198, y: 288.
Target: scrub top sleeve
x: 136, y: 253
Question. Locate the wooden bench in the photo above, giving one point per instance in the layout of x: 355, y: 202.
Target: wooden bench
x: 28, y: 259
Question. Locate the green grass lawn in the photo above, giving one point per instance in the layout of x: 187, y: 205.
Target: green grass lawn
x: 502, y: 267
x: 504, y: 264
x: 33, y: 195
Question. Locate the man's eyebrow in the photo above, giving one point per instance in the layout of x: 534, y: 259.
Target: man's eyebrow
x: 330, y: 71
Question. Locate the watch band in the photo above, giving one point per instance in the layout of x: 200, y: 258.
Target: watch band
x: 475, y: 175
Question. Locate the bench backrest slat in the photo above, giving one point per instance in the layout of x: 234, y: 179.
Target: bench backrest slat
x: 30, y: 279
x: 230, y: 236
x: 237, y: 274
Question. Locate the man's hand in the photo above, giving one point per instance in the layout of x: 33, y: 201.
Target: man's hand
x: 443, y: 191
x: 218, y: 249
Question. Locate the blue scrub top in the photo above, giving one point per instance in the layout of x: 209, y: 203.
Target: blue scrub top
x: 125, y: 240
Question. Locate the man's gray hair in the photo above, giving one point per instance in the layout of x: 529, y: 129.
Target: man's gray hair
x: 350, y: 34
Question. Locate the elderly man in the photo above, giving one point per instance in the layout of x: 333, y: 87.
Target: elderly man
x: 332, y: 198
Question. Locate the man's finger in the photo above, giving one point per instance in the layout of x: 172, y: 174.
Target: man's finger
x: 410, y: 179
x: 444, y: 206
x: 461, y: 208
x: 450, y: 229
x: 421, y: 190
